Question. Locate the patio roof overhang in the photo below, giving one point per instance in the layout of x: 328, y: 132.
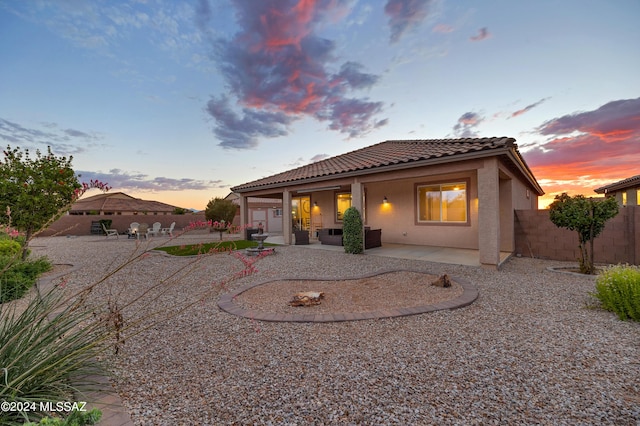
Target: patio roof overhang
x: 508, y: 153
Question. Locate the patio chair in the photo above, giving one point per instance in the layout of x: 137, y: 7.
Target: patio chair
x: 142, y: 230
x: 133, y: 230
x: 110, y: 232
x: 169, y: 230
x: 154, y: 230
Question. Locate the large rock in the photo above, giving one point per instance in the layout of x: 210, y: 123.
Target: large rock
x: 307, y: 298
x: 443, y: 281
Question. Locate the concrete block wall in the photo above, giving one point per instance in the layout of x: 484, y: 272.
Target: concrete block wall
x: 619, y: 242
x: 81, y: 225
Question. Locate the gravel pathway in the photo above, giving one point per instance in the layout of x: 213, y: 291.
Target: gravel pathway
x: 528, y: 351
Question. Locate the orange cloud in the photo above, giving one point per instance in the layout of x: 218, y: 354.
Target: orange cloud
x: 605, y: 150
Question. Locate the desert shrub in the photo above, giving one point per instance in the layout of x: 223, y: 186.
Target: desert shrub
x: 17, y: 276
x: 76, y: 418
x: 618, y: 290
x: 353, y: 238
x: 9, y: 247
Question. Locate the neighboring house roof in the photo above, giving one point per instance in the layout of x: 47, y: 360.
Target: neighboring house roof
x: 632, y: 182
x: 397, y: 154
x: 235, y: 198
x: 119, y: 202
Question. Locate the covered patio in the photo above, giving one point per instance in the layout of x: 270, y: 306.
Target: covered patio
x: 454, y: 256
x: 424, y: 196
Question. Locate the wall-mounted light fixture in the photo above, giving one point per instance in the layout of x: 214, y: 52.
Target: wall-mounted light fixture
x: 385, y: 200
x: 315, y: 204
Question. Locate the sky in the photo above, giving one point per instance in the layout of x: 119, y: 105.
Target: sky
x: 178, y: 101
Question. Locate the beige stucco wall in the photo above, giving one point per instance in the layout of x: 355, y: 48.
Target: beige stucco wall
x: 397, y: 218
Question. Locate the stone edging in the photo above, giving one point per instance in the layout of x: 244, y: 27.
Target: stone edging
x: 227, y: 303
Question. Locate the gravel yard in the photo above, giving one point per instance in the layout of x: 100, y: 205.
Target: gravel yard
x: 528, y: 351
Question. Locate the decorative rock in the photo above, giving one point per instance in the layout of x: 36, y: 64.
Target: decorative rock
x: 307, y: 298
x: 443, y: 281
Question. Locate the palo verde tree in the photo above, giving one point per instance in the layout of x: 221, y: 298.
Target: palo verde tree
x: 35, y: 191
x: 587, y: 216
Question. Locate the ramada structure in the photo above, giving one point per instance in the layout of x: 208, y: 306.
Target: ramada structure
x: 458, y: 193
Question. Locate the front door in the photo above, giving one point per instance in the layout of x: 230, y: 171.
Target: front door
x: 301, y: 213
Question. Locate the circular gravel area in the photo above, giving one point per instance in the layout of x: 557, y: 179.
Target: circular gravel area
x: 530, y: 350
x: 383, y: 294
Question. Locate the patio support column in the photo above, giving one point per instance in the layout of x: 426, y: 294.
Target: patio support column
x: 287, y: 219
x: 356, y: 196
x: 244, y: 211
x: 489, y: 213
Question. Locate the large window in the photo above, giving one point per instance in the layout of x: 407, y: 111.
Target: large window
x: 343, y: 202
x: 442, y: 203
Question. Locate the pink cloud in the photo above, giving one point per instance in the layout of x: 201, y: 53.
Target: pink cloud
x: 614, y: 121
x: 527, y: 108
x: 277, y: 64
x: 467, y: 124
x: 483, y: 34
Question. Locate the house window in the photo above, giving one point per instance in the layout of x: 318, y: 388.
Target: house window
x: 277, y: 212
x: 442, y: 203
x: 343, y: 202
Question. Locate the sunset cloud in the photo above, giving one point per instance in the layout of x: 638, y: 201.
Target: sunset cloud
x: 614, y: 121
x: 599, y: 146
x: 279, y: 70
x: 527, y: 108
x: 62, y: 141
x: 483, y: 34
x: 404, y: 15
x: 122, y: 180
x: 466, y: 126
x: 243, y: 131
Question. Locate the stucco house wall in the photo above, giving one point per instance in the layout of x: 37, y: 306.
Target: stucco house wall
x: 497, y: 182
x: 397, y: 218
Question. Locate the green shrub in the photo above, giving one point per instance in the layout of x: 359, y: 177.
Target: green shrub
x: 618, y: 290
x: 352, y: 238
x: 17, y: 276
x: 76, y: 418
x: 9, y: 247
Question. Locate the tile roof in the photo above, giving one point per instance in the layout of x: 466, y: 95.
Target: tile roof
x: 119, y: 202
x: 631, y: 182
x: 376, y: 158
